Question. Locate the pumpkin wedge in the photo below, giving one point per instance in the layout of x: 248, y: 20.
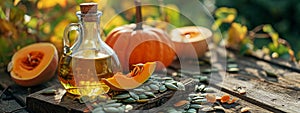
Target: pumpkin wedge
x: 190, y: 41
x: 132, y: 80
x: 34, y: 64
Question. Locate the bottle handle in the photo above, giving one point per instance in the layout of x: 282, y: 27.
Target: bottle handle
x: 66, y: 39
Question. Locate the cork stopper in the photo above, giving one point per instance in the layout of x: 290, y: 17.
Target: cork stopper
x: 86, y: 8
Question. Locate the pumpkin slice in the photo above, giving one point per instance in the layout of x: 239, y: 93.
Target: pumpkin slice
x: 34, y: 64
x: 190, y: 41
x: 121, y: 82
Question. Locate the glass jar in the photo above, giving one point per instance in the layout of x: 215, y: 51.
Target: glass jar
x: 89, y: 59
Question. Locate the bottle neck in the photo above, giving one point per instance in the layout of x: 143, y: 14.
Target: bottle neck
x: 91, y: 29
x: 91, y: 38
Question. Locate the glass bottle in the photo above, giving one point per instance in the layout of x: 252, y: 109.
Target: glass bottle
x: 89, y: 59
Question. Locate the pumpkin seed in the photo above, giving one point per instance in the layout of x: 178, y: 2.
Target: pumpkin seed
x: 271, y: 74
x: 186, y: 106
x: 213, y: 70
x: 245, y: 109
x: 231, y: 60
x: 170, y: 81
x: 233, y: 70
x: 133, y: 95
x: 196, y: 88
x: 142, y: 100
x: 192, y: 110
x: 201, y: 63
x: 196, y: 106
x: 180, y: 86
x: 98, y: 110
x: 156, y: 78
x: 197, y: 76
x: 174, y: 74
x: 199, y: 101
x: 146, y: 88
x: 167, y: 78
x: 84, y: 99
x: 121, y: 109
x: 102, y: 98
x: 95, y: 105
x: 219, y: 108
x: 139, y: 90
x: 189, y: 99
x: 129, y: 100
x: 203, y: 79
x: 207, y: 109
x: 128, y: 107
x: 143, y: 96
x: 197, y: 97
x: 193, y: 95
x: 111, y: 101
x: 162, y: 88
x: 208, y: 90
x: 121, y: 96
x: 171, y: 86
x: 201, y: 88
x: 49, y: 92
x: 149, y: 81
x: 154, y: 87
x: 93, y: 98
x: 151, y: 94
x: 111, y: 110
x: 203, y: 94
x: 113, y: 105
x: 242, y: 91
x: 232, y: 66
x: 206, y: 71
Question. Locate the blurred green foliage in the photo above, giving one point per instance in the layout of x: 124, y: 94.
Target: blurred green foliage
x: 283, y: 15
x: 238, y: 37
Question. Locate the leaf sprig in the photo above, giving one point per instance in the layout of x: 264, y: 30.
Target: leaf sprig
x: 238, y: 37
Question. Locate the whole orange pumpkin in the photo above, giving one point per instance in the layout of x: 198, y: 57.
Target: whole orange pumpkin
x: 136, y: 43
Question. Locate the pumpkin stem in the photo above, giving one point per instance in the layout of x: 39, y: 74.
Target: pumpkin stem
x: 138, y: 17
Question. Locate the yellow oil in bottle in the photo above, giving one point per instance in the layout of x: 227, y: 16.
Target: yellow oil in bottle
x: 81, y: 73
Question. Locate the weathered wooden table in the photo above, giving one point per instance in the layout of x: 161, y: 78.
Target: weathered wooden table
x: 271, y: 85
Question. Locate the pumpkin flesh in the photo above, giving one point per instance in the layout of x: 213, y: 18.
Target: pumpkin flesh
x: 190, y: 42
x: 34, y: 64
x: 121, y: 82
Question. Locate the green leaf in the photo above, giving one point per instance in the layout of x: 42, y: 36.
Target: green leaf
x: 246, y: 48
x: 281, y: 49
x: 268, y: 28
x: 2, y: 14
x: 275, y: 38
x: 16, y: 15
x: 173, y: 14
x: 216, y: 24
x: 32, y: 23
x: 274, y: 35
x: 226, y: 14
